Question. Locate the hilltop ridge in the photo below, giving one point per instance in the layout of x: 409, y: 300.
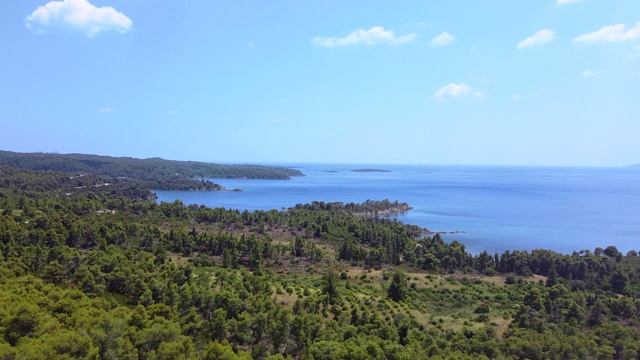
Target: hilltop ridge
x: 151, y: 169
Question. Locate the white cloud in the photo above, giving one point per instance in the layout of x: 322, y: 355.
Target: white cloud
x: 373, y: 36
x: 457, y: 91
x: 587, y: 74
x: 77, y: 14
x: 516, y: 97
x: 250, y: 44
x: 562, y: 2
x: 442, y: 39
x: 170, y: 112
x: 590, y: 74
x: 106, y: 110
x: 611, y: 33
x: 540, y: 38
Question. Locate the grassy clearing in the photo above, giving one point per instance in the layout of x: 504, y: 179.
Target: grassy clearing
x: 441, y: 301
x: 286, y: 299
x: 447, y: 302
x: 178, y: 259
x: 503, y: 325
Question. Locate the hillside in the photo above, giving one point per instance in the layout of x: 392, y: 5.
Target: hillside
x: 103, y: 275
x: 152, y: 169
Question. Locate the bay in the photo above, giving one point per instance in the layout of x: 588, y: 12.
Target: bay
x: 488, y: 208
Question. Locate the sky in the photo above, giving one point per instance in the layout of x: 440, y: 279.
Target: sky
x: 493, y: 82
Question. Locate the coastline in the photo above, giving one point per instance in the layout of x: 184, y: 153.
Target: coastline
x: 388, y: 211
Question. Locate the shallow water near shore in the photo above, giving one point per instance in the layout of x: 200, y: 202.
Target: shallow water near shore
x: 487, y: 208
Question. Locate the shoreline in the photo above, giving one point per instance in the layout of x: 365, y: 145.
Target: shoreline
x: 388, y: 211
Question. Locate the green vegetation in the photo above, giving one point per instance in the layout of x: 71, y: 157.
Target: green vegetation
x: 124, y: 176
x: 156, y: 173
x: 106, y: 274
x: 31, y: 181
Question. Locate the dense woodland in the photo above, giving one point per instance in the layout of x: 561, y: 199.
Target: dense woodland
x: 155, y: 173
x: 100, y: 272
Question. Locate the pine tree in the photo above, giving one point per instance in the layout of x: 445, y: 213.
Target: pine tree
x: 398, y: 288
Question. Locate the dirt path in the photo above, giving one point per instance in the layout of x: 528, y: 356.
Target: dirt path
x: 502, y: 327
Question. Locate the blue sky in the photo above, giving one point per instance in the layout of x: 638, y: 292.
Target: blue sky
x: 500, y: 82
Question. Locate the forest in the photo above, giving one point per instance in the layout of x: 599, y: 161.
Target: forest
x: 104, y: 272
x: 160, y: 173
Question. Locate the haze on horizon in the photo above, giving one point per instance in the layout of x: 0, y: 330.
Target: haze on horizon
x: 553, y: 82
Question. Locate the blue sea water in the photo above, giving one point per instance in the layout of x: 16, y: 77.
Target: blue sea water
x: 491, y: 208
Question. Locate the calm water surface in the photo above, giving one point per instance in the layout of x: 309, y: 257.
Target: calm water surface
x: 496, y: 208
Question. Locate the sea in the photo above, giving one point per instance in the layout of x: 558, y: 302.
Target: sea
x: 492, y: 208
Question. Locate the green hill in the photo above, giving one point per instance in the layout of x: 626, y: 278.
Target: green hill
x: 151, y: 169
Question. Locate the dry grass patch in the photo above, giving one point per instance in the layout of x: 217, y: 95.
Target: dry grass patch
x: 536, y: 278
x: 281, y: 242
x: 373, y: 275
x: 420, y: 317
x: 503, y: 325
x: 286, y: 299
x: 178, y: 258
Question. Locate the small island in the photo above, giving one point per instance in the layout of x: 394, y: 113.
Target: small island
x: 371, y: 170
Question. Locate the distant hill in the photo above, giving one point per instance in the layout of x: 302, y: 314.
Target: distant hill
x: 152, y: 169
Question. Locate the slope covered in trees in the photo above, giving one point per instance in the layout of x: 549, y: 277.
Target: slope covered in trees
x: 61, y: 183
x: 107, y: 275
x: 153, y: 169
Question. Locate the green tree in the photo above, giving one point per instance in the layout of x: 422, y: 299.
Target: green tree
x: 329, y: 286
x: 23, y: 323
x: 280, y: 330
x: 108, y: 335
x: 218, y: 324
x: 618, y: 282
x: 220, y: 351
x: 398, y: 289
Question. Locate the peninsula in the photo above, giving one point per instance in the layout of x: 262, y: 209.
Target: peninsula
x: 153, y: 173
